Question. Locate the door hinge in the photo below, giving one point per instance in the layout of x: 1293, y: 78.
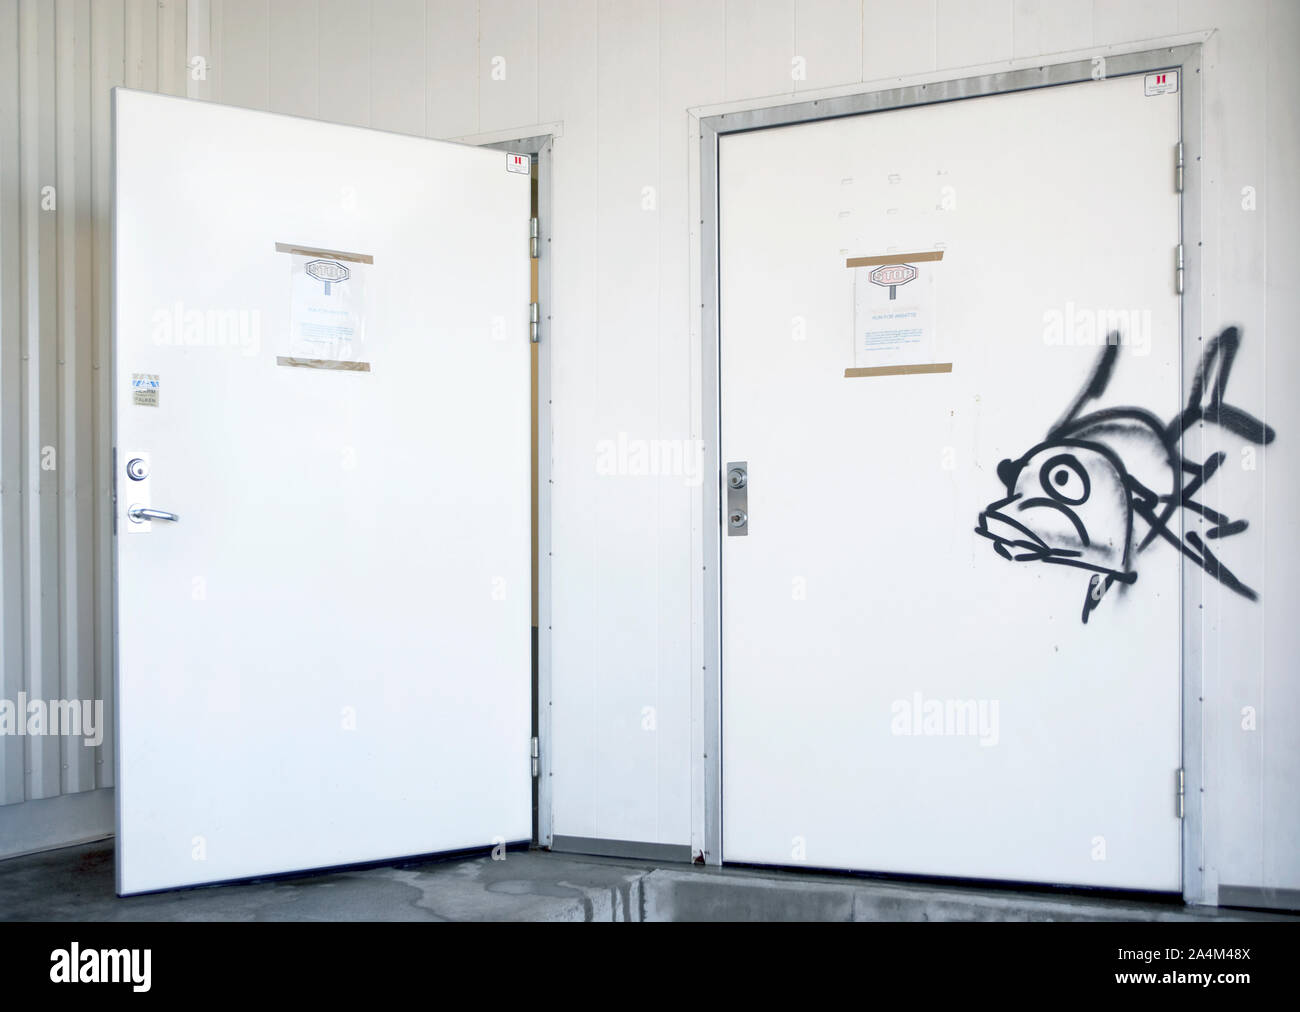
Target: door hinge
x: 532, y: 237
x: 536, y: 755
x: 1178, y: 167
x: 534, y: 315
x: 1178, y: 269
x: 1180, y: 795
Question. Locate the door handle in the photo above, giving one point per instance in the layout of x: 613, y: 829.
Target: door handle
x: 738, y: 499
x: 142, y: 513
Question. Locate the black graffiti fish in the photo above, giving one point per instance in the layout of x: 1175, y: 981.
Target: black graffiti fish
x: 1104, y: 486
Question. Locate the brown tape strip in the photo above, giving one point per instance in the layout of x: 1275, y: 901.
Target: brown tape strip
x: 332, y: 254
x: 898, y: 370
x: 323, y: 363
x: 894, y: 258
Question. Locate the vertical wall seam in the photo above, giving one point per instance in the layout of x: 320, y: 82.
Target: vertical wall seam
x: 26, y: 149
x: 65, y: 373
x: 111, y: 53
x: 478, y: 66
x: 12, y: 753
x: 32, y: 19
x: 160, y: 46
x: 596, y: 573
x: 659, y: 391
x: 216, y: 29
x: 424, y: 68
x: 83, y: 514
x: 1261, y: 739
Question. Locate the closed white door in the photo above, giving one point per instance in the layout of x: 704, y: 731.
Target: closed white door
x: 321, y: 371
x: 947, y: 647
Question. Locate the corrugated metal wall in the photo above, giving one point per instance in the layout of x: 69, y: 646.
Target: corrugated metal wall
x: 58, y: 61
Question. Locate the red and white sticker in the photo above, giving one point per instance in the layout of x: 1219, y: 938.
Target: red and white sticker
x: 518, y: 163
x: 1163, y: 83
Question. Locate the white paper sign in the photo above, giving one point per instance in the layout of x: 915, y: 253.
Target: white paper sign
x: 894, y: 314
x: 327, y: 319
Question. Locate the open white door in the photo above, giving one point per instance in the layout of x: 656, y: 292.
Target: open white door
x: 321, y: 369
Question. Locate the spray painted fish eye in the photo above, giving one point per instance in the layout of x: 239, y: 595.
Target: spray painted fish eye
x: 1065, y: 479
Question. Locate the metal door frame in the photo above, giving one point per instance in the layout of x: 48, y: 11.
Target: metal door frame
x: 540, y: 147
x: 1184, y: 58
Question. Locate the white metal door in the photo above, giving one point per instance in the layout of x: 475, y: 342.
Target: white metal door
x: 901, y: 691
x: 325, y: 659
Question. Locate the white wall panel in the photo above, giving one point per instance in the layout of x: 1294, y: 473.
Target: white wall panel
x: 245, y: 53
x: 897, y: 38
x: 398, y: 70
x: 828, y: 36
x: 141, y: 27
x: 627, y: 508
x: 759, y: 47
x: 689, y: 73
x: 291, y: 37
x: 1124, y: 20
x: 343, y: 63
x: 1051, y: 26
x: 973, y: 31
x: 507, y: 63
x: 1280, y: 689
x: 1233, y: 292
x: 567, y: 90
x: 451, y: 68
x: 172, y: 21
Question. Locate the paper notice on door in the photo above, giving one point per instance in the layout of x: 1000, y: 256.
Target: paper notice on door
x: 327, y: 318
x: 895, y: 311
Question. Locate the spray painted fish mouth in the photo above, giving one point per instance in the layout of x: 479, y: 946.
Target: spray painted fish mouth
x: 1011, y: 539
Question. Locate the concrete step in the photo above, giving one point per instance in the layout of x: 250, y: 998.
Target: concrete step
x: 77, y: 884
x: 758, y: 895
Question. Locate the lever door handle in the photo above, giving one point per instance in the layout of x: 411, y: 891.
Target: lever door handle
x: 142, y: 513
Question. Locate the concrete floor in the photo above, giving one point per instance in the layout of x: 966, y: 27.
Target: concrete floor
x: 76, y: 883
